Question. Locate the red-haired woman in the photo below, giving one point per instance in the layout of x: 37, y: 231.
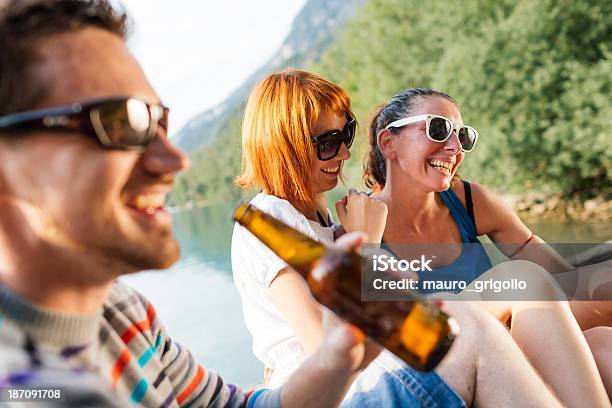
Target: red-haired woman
x: 296, y: 133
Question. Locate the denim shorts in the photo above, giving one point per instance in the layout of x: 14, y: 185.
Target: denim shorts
x: 389, y: 382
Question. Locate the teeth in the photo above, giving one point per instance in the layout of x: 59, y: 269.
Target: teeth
x: 331, y: 170
x: 439, y: 164
x: 148, y: 202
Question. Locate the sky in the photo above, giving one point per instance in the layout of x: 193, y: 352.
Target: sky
x: 196, y: 52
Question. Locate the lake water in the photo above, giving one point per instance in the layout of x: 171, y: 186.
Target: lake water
x: 196, y: 299
x: 200, y: 306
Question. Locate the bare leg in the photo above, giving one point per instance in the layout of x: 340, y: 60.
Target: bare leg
x: 549, y: 335
x: 552, y: 340
x: 600, y: 341
x: 486, y: 367
x: 590, y: 285
x: 594, y: 284
x: 591, y: 314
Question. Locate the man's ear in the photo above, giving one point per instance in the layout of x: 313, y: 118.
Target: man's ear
x: 385, y: 139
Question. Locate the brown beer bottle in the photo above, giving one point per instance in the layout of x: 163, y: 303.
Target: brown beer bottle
x: 416, y: 331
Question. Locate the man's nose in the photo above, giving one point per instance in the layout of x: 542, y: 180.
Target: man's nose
x: 162, y: 157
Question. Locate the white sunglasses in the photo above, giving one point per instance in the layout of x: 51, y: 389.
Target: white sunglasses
x: 439, y: 129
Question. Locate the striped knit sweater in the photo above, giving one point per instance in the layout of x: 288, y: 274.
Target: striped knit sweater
x: 123, y: 348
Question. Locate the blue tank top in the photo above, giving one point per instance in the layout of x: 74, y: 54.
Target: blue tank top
x: 473, y: 260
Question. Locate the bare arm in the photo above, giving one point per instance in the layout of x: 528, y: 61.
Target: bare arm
x: 323, y: 379
x: 497, y: 220
x: 293, y: 299
x: 338, y: 351
x: 290, y: 293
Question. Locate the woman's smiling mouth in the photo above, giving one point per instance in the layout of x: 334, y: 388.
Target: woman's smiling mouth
x: 331, y: 170
x: 444, y: 167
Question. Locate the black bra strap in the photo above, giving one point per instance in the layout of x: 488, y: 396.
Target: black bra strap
x: 469, y: 205
x: 322, y: 220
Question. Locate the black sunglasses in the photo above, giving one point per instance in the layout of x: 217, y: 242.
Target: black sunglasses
x: 329, y: 143
x: 118, y: 123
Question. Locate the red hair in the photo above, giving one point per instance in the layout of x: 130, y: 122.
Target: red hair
x: 277, y: 153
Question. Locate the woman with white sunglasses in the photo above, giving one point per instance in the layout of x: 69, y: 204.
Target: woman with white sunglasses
x: 417, y: 142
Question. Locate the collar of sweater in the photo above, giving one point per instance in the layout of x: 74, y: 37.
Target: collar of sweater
x: 48, y: 326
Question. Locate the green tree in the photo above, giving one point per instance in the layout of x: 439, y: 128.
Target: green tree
x: 533, y: 76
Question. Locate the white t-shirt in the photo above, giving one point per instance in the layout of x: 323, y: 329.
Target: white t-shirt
x: 274, y: 342
x: 254, y: 267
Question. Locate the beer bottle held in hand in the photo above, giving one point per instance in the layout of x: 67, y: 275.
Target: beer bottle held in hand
x: 416, y: 331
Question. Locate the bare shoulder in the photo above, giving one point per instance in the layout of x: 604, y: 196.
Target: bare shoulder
x: 485, y: 198
x: 481, y: 195
x: 490, y: 210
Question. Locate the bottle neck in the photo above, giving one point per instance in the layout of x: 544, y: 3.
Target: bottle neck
x: 298, y: 250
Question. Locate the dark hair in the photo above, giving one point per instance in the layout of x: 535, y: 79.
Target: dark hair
x: 24, y: 23
x: 400, y: 106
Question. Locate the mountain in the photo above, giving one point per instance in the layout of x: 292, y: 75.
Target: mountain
x: 533, y: 77
x: 313, y: 29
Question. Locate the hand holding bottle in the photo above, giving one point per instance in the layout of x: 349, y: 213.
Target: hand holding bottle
x: 345, y: 345
x: 323, y: 379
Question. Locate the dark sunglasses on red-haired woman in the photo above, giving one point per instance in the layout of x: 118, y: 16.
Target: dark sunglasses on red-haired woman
x: 328, y: 143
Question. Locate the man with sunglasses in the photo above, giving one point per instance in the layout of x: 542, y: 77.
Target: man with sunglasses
x: 85, y: 167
